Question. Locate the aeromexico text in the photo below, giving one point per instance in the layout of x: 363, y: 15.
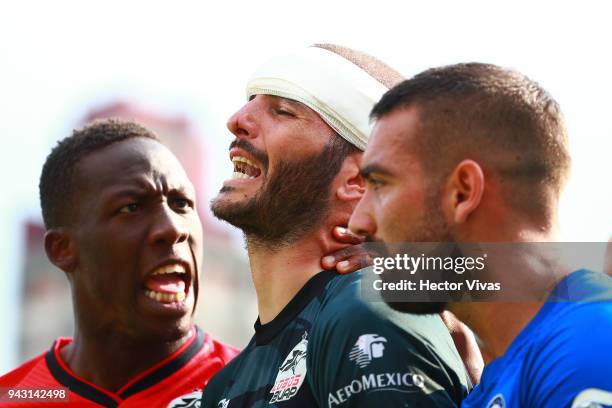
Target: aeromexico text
x: 423, y: 263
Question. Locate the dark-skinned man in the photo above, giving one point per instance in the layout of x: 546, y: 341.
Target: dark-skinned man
x: 121, y: 222
x: 120, y: 219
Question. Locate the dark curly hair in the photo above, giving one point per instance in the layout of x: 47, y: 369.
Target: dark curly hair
x: 57, y: 180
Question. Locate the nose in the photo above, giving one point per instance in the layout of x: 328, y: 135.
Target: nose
x: 243, y: 123
x: 361, y: 221
x: 169, y: 227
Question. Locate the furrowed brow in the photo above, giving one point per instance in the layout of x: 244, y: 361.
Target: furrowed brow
x: 182, y: 190
x: 367, y: 171
x: 128, y: 192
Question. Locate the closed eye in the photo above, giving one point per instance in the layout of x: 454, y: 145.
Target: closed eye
x: 284, y: 112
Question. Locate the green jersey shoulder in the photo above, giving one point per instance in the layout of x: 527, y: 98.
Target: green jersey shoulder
x: 329, y: 348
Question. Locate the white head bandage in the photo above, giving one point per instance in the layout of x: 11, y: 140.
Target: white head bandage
x: 338, y: 90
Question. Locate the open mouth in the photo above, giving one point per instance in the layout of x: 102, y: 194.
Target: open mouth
x: 168, y: 283
x: 245, y: 168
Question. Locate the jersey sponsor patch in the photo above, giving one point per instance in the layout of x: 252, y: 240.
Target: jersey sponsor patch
x: 291, y: 373
x: 593, y: 398
x: 407, y: 382
x: 191, y: 400
x: 497, y: 402
x: 223, y: 403
x: 367, y: 348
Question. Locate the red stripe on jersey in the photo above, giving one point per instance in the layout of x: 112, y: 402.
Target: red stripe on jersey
x: 176, y: 378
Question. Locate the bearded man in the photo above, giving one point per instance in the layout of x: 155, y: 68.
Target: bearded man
x: 296, y: 154
x: 474, y: 153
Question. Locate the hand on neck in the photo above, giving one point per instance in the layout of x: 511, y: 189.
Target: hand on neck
x: 280, y: 272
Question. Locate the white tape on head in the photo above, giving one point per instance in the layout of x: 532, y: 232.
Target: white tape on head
x: 342, y: 93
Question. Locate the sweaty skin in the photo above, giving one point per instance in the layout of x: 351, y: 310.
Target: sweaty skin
x: 136, y: 213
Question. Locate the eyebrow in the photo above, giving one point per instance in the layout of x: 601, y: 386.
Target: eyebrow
x: 182, y: 189
x: 294, y: 103
x: 127, y: 192
x: 367, y: 171
x: 137, y: 192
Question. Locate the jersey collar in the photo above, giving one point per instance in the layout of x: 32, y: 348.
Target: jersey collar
x: 264, y: 333
x: 150, y: 377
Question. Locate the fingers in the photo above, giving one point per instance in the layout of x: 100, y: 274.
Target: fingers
x: 354, y: 263
x: 466, y: 345
x: 347, y: 260
x: 345, y: 236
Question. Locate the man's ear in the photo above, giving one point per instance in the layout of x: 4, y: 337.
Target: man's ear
x: 60, y: 249
x: 463, y: 191
x: 352, y: 185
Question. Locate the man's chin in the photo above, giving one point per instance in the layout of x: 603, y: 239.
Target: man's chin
x: 227, y: 196
x: 238, y: 188
x: 226, y: 204
x: 167, y: 330
x: 228, y: 210
x: 230, y: 194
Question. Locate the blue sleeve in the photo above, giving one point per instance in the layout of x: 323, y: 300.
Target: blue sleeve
x: 574, y: 363
x: 359, y: 359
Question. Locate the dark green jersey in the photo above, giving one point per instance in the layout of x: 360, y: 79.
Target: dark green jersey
x: 328, y: 348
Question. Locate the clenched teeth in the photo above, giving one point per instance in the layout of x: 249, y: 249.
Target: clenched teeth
x: 174, y: 268
x: 238, y: 175
x: 165, y: 297
x: 244, y: 168
x: 238, y: 159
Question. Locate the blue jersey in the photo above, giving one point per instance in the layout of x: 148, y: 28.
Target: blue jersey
x: 563, y: 358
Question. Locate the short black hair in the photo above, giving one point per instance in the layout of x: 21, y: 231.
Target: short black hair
x: 497, y: 116
x: 57, y: 180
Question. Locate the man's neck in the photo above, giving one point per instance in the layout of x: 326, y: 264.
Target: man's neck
x: 110, y: 362
x: 279, y: 273
x: 497, y: 324
x: 528, y: 265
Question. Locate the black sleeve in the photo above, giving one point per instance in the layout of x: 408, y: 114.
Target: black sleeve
x: 356, y: 358
x: 211, y: 393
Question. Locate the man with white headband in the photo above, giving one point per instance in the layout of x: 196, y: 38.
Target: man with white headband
x: 296, y: 156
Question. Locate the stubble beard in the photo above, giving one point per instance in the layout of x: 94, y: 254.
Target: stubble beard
x: 290, y: 204
x: 432, y: 227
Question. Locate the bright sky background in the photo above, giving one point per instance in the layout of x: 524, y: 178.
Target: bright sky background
x: 60, y: 58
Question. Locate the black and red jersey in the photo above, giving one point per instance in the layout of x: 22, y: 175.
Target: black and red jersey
x: 176, y: 381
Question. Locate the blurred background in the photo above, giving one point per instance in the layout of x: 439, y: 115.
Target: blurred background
x: 182, y: 69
